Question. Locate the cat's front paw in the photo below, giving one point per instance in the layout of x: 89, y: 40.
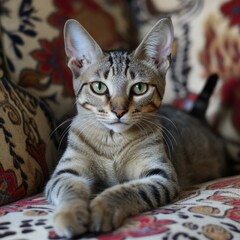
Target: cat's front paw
x: 105, y: 215
x: 72, y: 219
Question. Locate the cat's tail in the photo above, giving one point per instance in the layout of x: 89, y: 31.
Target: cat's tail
x: 201, y: 103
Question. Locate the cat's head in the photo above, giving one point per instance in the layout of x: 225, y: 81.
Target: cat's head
x: 119, y: 88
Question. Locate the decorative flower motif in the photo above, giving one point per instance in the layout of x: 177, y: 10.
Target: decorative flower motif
x: 149, y: 225
x: 139, y: 226
x: 205, y: 210
x: 9, y: 189
x: 235, y: 202
x: 221, y: 51
x: 231, y: 9
x: 234, y: 214
x: 233, y: 182
x: 84, y: 10
x: 50, y: 62
x: 212, y: 231
x: 231, y: 201
x: 23, y: 204
x: 38, y: 152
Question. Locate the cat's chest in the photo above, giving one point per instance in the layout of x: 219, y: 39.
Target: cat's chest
x: 109, y: 147
x: 116, y: 159
x: 118, y: 166
x: 109, y: 164
x: 105, y: 175
x: 112, y: 176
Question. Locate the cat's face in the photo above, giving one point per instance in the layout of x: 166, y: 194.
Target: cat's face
x: 121, y: 89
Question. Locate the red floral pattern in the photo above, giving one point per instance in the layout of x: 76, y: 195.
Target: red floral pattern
x: 9, y: 190
x: 18, y: 206
x: 234, y: 214
x: 100, y: 19
x: 38, y: 152
x: 142, y: 226
x: 231, y: 201
x: 234, y: 202
x: 231, y: 9
x: 51, y: 63
x: 229, y: 183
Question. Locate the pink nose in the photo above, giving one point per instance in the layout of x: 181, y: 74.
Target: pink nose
x: 119, y: 112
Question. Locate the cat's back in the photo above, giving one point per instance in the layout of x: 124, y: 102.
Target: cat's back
x: 196, y: 152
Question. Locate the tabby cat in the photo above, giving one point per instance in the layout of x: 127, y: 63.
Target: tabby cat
x: 124, y: 155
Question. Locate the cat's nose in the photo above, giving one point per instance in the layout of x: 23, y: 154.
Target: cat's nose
x: 119, y: 112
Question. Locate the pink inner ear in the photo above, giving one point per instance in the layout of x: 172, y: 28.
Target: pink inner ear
x: 163, y: 52
x: 75, y: 65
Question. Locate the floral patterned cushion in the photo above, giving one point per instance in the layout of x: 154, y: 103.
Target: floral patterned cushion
x: 33, y: 42
x: 27, y: 154
x: 207, y: 40
x: 207, y: 211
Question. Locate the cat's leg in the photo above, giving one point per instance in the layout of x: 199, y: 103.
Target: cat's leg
x: 114, y: 205
x: 69, y: 190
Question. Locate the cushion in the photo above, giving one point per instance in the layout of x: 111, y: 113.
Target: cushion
x: 27, y: 154
x: 207, y: 211
x: 207, y: 40
x: 33, y: 43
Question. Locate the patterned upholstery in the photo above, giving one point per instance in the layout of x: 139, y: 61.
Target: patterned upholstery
x: 207, y: 211
x: 36, y: 91
x: 27, y: 154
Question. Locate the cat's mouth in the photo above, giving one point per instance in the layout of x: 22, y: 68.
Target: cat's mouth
x: 118, y: 126
x: 118, y: 122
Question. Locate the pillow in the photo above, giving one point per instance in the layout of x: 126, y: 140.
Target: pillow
x: 27, y: 154
x: 34, y: 48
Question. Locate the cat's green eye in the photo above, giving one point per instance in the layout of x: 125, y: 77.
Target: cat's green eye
x: 139, y: 88
x: 99, y: 88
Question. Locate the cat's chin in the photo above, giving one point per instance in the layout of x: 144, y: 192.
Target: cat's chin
x: 118, y: 127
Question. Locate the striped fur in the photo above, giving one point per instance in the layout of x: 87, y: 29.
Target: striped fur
x: 120, y: 160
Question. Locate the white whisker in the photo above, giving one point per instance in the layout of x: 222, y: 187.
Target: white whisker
x: 66, y: 121
x: 75, y: 121
x: 62, y: 137
x: 164, y: 130
x: 138, y: 124
x: 165, y: 140
x: 158, y: 115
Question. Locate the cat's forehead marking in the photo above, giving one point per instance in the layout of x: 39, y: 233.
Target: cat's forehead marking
x: 118, y: 62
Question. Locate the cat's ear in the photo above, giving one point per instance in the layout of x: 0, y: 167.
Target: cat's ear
x: 80, y: 47
x: 157, y: 45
